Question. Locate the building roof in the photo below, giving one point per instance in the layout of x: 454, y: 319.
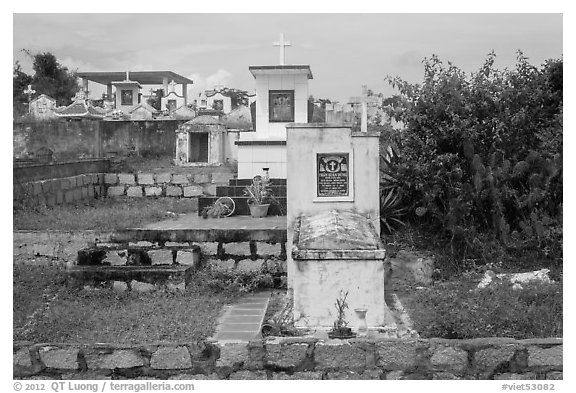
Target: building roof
x: 204, y: 120
x: 144, y: 106
x: 144, y: 77
x: 80, y: 108
x: 281, y: 70
x: 43, y: 96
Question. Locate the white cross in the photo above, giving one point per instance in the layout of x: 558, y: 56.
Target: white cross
x: 172, y: 85
x: 29, y: 93
x: 282, y: 44
x: 364, y: 101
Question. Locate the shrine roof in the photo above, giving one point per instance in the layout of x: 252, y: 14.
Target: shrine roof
x: 281, y: 70
x: 143, y: 77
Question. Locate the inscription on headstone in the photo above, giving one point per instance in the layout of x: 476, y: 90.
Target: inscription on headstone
x: 332, y: 174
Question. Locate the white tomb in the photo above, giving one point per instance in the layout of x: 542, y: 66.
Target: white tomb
x: 333, y: 224
x: 281, y: 98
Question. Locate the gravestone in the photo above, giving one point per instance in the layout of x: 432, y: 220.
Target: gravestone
x: 333, y: 217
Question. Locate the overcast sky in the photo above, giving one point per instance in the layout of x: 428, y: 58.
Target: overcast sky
x: 344, y: 51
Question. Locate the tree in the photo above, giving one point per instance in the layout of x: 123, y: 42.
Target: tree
x: 53, y: 79
x: 21, y: 80
x: 237, y: 97
x: 482, y: 153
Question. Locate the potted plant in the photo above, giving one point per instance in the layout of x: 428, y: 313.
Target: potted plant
x: 340, y: 328
x: 260, y: 196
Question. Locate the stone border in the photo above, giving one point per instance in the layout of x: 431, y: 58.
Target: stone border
x: 59, y: 191
x: 296, y: 358
x: 167, y: 184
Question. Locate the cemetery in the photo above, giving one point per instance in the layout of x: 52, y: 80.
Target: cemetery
x: 266, y: 249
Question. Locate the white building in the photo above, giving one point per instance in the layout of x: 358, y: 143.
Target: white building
x: 281, y: 98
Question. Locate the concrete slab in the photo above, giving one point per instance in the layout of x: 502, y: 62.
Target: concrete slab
x: 242, y: 321
x: 191, y: 228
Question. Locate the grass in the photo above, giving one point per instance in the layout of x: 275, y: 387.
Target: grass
x: 456, y: 309
x: 80, y: 316
x: 102, y: 214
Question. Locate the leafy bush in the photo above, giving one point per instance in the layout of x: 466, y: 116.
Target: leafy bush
x: 231, y: 282
x: 453, y: 311
x: 481, y: 155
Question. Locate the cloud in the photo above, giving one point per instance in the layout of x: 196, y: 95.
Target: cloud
x: 78, y: 65
x: 221, y: 77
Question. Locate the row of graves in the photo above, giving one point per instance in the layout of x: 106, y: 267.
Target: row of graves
x: 127, y: 102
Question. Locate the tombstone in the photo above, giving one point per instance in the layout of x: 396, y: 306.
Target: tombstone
x: 127, y: 94
x: 333, y: 224
x: 42, y: 107
x: 172, y: 100
x: 143, y: 111
x: 200, y: 141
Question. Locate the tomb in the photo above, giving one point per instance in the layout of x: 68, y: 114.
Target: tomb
x: 80, y: 108
x: 172, y: 100
x: 217, y: 99
x: 200, y: 142
x: 281, y: 98
x: 127, y: 94
x: 333, y: 224
x: 42, y: 107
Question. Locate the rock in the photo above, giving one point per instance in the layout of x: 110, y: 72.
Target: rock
x: 490, y: 278
x: 171, y: 358
x: 59, y: 358
x: 449, y: 359
x: 285, y: 356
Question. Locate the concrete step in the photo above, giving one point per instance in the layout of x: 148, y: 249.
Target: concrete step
x: 242, y: 208
x: 247, y: 182
x: 177, y: 276
x: 238, y: 191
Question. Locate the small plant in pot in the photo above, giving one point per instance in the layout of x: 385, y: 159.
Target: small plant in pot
x: 260, y: 196
x: 340, y: 328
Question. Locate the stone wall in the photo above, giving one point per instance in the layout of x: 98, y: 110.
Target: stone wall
x: 164, y: 184
x: 59, y: 191
x: 70, y: 140
x: 296, y: 358
x: 33, y: 172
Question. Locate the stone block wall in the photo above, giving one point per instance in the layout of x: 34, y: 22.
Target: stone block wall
x: 51, y: 192
x: 296, y: 358
x: 164, y: 184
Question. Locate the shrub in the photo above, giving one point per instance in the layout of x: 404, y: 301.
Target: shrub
x: 481, y: 154
x: 452, y: 310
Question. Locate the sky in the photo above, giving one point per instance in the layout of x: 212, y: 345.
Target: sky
x: 344, y: 51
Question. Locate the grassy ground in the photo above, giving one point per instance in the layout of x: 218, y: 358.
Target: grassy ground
x: 160, y: 164
x: 80, y: 316
x: 456, y: 309
x: 103, y: 214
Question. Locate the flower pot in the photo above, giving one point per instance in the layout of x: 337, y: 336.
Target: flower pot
x: 258, y: 211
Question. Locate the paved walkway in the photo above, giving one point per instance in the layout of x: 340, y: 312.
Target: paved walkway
x: 242, y: 321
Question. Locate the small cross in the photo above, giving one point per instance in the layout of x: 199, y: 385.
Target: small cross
x: 29, y: 93
x: 365, y: 102
x: 282, y: 44
x: 172, y: 85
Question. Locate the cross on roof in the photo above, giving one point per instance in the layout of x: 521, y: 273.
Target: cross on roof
x: 282, y: 44
x: 29, y: 91
x: 172, y: 85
